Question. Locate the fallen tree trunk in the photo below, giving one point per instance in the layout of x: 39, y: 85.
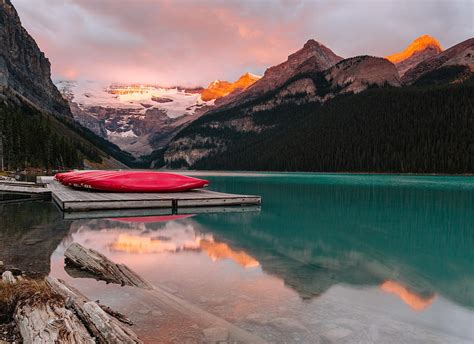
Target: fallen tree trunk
x: 104, y: 269
x: 98, y: 265
x: 41, y: 316
x: 49, y: 323
x: 103, y: 327
x: 53, y: 312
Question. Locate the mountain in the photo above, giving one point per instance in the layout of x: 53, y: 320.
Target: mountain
x: 137, y: 118
x: 421, y: 49
x: 407, y: 129
x: 220, y: 125
x: 354, y: 116
x: 141, y: 119
x: 219, y: 88
x: 25, y: 72
x: 314, y: 56
x: 36, y: 124
x: 461, y: 54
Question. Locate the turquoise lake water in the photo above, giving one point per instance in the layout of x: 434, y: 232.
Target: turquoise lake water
x: 325, y: 259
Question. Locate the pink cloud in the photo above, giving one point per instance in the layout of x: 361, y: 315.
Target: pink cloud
x: 194, y: 42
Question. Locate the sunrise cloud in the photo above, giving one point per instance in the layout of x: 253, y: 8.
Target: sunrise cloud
x: 194, y: 42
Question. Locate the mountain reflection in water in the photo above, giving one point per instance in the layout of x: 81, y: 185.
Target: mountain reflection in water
x: 412, y: 299
x: 315, y: 232
x: 178, y: 237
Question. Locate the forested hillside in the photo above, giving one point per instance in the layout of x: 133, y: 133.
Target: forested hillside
x: 406, y: 130
x: 29, y: 138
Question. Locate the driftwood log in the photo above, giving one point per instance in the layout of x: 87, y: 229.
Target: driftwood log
x: 67, y: 316
x: 104, y: 269
x: 47, y: 322
x: 104, y: 328
x: 97, y: 264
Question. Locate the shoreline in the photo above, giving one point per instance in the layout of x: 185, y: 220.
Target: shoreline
x: 206, y: 172
x: 11, y: 174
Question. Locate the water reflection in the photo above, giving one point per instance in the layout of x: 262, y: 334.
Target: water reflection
x: 217, y: 251
x: 138, y: 236
x: 411, y: 298
x: 322, y: 261
x: 29, y: 233
x: 316, y: 235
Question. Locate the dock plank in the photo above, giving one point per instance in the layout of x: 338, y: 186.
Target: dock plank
x: 71, y: 199
x: 23, y: 189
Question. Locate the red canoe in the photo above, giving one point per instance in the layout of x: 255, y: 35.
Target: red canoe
x: 131, y: 181
x: 78, y: 178
x: 60, y: 176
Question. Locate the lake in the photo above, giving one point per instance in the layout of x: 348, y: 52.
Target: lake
x: 328, y: 258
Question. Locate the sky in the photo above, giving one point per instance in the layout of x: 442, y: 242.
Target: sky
x: 191, y: 42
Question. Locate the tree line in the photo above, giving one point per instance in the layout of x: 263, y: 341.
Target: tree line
x: 31, y: 139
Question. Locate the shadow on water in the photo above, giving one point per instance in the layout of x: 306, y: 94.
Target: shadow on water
x: 29, y: 234
x: 413, y: 240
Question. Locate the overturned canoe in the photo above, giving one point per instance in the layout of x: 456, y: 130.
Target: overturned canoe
x: 131, y: 181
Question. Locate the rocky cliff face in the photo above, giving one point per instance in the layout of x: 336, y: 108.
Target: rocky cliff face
x: 421, y: 49
x: 312, y: 57
x: 461, y: 54
x: 25, y: 73
x: 358, y: 73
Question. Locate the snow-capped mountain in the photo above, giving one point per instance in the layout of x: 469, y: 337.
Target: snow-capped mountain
x: 137, y: 118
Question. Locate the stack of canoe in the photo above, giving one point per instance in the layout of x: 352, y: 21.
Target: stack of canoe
x: 130, y: 181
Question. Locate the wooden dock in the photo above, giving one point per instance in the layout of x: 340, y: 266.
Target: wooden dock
x: 72, y: 200
x: 23, y: 190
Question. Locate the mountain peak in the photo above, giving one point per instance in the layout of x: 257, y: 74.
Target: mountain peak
x: 247, y: 78
x: 314, y: 48
x: 461, y: 54
x: 219, y: 88
x: 422, y: 43
x: 311, y: 43
x: 312, y: 57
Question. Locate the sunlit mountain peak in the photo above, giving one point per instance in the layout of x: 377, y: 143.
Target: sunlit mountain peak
x: 418, y: 45
x: 220, y: 88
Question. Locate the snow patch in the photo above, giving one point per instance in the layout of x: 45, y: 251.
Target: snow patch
x: 121, y: 134
x: 88, y: 93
